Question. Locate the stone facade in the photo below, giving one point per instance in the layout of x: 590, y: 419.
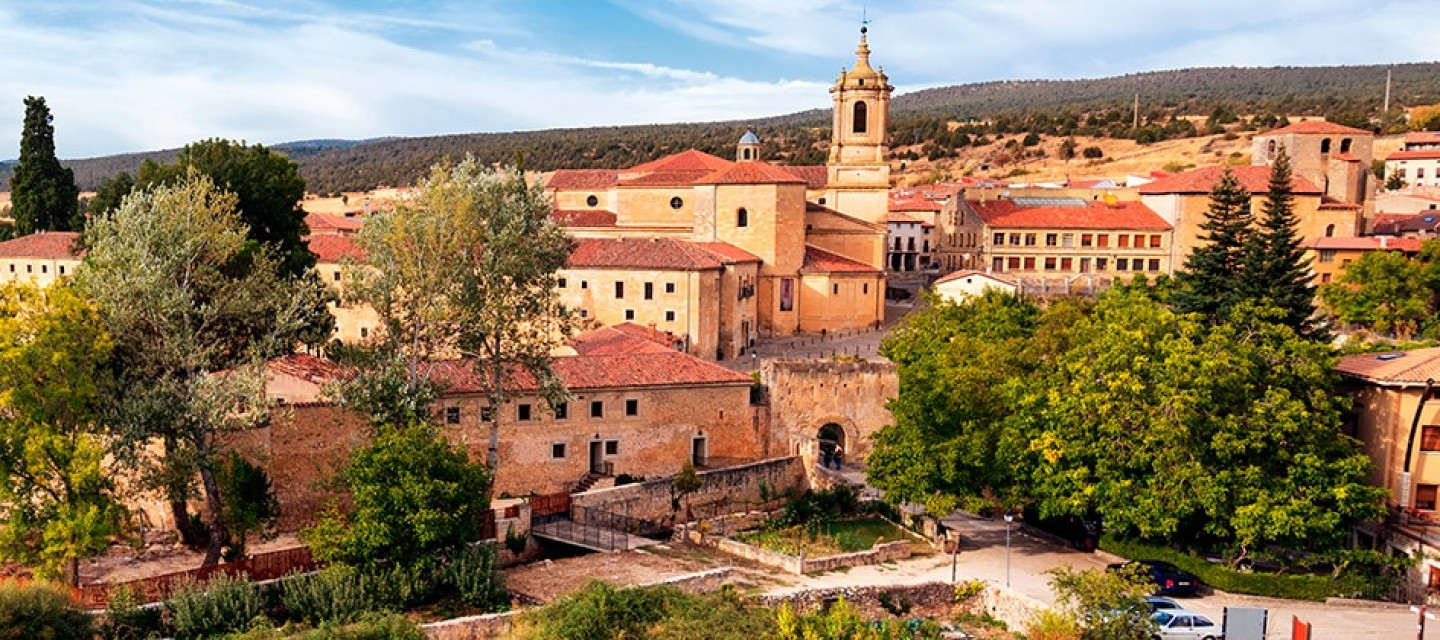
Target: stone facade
x: 722, y: 491
x: 806, y: 396
x: 1334, y: 157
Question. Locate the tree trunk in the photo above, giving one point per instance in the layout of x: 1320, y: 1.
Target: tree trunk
x: 219, y: 536
x: 188, y: 536
x: 72, y: 572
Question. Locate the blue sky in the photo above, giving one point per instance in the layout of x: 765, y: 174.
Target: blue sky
x: 130, y: 75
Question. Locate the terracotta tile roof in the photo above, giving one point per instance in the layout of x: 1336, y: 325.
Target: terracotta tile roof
x: 582, y: 179
x: 1422, y: 137
x: 1255, y: 179
x: 308, y: 368
x: 583, y: 217
x: 728, y: 253
x: 1366, y: 243
x: 623, y: 339
x: 1327, y: 202
x: 1317, y: 126
x: 821, y: 261
x: 1344, y: 156
x: 1393, y: 223
x: 642, y: 253
x: 333, y: 248
x: 900, y: 218
x: 662, y: 179
x: 811, y: 207
x: 1006, y: 214
x: 1400, y: 368
x: 320, y: 222
x: 54, y: 245
x: 1418, y: 154
x: 910, y: 201
x: 688, y: 160
x: 971, y: 273
x: 751, y: 173
x: 816, y: 176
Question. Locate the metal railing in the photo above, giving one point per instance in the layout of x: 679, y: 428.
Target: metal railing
x: 598, y: 529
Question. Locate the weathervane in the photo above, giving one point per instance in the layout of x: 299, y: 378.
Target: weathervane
x: 864, y: 18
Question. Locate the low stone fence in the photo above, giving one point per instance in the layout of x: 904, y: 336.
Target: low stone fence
x: 1013, y: 608
x: 727, y: 490
x: 879, y: 554
x: 927, y: 594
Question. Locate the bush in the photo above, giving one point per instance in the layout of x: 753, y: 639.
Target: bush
x: 1297, y: 587
x: 222, y: 605
x: 338, y: 593
x: 1049, y: 624
x: 403, y: 587
x: 371, y: 626
x: 1093, y: 152
x: 127, y: 619
x: 475, y: 579
x: 39, y: 610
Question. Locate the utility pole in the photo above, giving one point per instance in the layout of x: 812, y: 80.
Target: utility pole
x: 1137, y: 111
x: 1387, y: 92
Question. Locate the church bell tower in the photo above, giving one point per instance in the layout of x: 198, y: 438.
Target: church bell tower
x: 858, y: 180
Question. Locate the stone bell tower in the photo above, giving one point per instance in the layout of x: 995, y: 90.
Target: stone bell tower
x: 858, y: 180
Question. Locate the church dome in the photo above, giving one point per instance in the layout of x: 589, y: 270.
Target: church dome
x: 749, y: 138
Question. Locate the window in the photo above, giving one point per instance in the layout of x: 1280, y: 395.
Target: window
x: 998, y: 264
x: 1049, y: 264
x: 1430, y: 438
x: 1327, y: 255
x: 649, y: 291
x: 1013, y: 263
x: 787, y: 294
x: 336, y: 278
x: 1050, y: 239
x: 1087, y: 240
x: 1139, y: 241
x: 1154, y: 264
x: 632, y: 407
x: 44, y: 268
x: 1345, y: 145
x: 629, y: 314
x: 1329, y: 231
x: 592, y: 200
x: 1015, y: 238
x: 676, y: 202
x: 1000, y: 239
x: 1425, y: 497
x: 522, y: 412
x: 452, y: 415
x: 1121, y: 264
x: 1084, y: 265
x: 612, y: 447
x: 29, y: 268
x: 1325, y: 146
x: 1324, y: 278
x: 1065, y: 264
x: 1067, y: 240
x: 861, y: 115
x: 835, y: 289
x: 1123, y: 241
x: 557, y: 451
x: 597, y: 409
x: 742, y: 217
x: 62, y: 269
x: 865, y: 288
x: 619, y: 290
x: 584, y: 313
x: 364, y: 332
x: 669, y: 315
x: 487, y: 414
x: 1029, y: 239
x: 560, y: 282
x: 562, y: 411
x: 1101, y: 264
x: 1102, y: 240
x: 669, y: 287
x: 584, y: 284
x: 1155, y: 242
x: 1030, y: 264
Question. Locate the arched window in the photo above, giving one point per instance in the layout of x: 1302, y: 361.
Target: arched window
x: 861, y: 117
x: 742, y: 217
x: 746, y: 154
x: 1325, y: 146
x: 1345, y: 145
x: 1330, y: 231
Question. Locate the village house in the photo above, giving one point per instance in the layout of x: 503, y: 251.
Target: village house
x: 958, y: 286
x: 39, y: 258
x: 1333, y: 157
x: 1396, y: 417
x: 1066, y: 238
x: 355, y: 323
x: 1328, y: 257
x: 909, y: 252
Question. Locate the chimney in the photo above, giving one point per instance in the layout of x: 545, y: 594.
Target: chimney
x: 652, y: 331
x: 1384, y: 242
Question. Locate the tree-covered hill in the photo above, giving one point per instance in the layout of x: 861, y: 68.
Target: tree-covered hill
x: 1352, y: 95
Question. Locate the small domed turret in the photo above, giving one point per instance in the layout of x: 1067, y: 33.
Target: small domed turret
x: 748, y: 149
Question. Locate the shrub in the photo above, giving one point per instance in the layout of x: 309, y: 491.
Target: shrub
x: 338, y: 593
x: 475, y: 579
x: 1049, y: 624
x: 39, y: 610
x: 1093, y: 152
x: 403, y: 587
x: 222, y: 605
x: 127, y: 619
x: 1298, y: 587
x: 371, y: 626
x: 968, y: 589
x: 516, y: 542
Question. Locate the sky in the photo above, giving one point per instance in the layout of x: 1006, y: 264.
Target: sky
x: 134, y: 75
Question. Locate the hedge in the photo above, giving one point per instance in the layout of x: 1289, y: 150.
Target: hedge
x: 1275, y: 585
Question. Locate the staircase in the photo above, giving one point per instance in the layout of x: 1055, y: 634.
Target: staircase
x: 586, y: 482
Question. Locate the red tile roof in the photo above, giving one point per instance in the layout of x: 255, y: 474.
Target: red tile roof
x: 308, y: 368
x: 319, y: 222
x: 1255, y: 179
x: 900, y: 218
x: 642, y: 253
x: 623, y: 339
x: 1366, y: 243
x: 1327, y: 202
x: 728, y: 253
x: 582, y: 179
x: 1317, y: 126
x: 816, y: 176
x: 333, y: 248
x: 1344, y: 156
x: 1131, y: 215
x: 54, y: 245
x: 1400, y: 368
x: 583, y: 217
x: 971, y: 273
x: 821, y: 261
x: 662, y: 178
x: 909, y: 201
x: 1418, y: 154
x: 751, y: 173
x: 688, y: 160
x: 1422, y: 137
x: 811, y: 207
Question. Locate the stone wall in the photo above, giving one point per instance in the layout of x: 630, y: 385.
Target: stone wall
x: 728, y: 490
x: 490, y: 625
x: 1013, y: 608
x: 807, y: 395
x: 879, y: 554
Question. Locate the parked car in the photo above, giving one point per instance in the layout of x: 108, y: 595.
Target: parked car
x: 1169, y: 579
x: 1157, y: 603
x: 1179, y: 624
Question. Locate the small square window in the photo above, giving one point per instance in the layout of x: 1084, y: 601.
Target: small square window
x: 1101, y: 263
x: 999, y: 239
x: 1049, y: 264
x: 1030, y: 264
x: 1122, y: 264
x: 1425, y: 497
x: 557, y: 451
x: 1012, y: 263
x: 335, y: 276
x: 1102, y: 240
x: 560, y: 283
x: 597, y: 409
x: 669, y: 287
x: 612, y: 447
x: 1122, y: 241
x: 1051, y: 239
x: 1430, y: 438
x: 632, y: 407
x: 584, y: 284
x: 1014, y: 238
x: 44, y: 268
x: 522, y: 412
x: 1087, y: 240
x: 452, y: 415
x: 364, y: 332
x: 1066, y: 264
x: 629, y: 314
x: 584, y: 313
x: 669, y: 315
x: 1154, y: 242
x: 486, y: 414
x: 1154, y: 264
x: 1029, y: 239
x: 562, y: 411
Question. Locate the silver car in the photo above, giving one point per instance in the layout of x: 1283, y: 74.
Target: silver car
x: 1180, y: 624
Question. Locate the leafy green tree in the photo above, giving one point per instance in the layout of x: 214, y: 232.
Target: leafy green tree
x: 1107, y: 605
x: 1394, y: 182
x: 1275, y: 267
x: 247, y: 501
x: 107, y: 198
x: 1211, y: 283
x: 1385, y: 292
x: 58, y: 503
x: 685, y: 483
x: 468, y: 268
x: 414, y: 494
x: 43, y: 192
x: 186, y: 297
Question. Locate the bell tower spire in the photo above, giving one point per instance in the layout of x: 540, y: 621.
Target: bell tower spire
x: 859, y: 161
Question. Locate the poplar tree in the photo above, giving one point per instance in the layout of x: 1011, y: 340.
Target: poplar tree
x: 43, y: 192
x: 1211, y: 281
x: 1275, y: 267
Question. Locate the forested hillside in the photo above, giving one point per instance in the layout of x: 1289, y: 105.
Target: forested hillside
x: 1099, y: 107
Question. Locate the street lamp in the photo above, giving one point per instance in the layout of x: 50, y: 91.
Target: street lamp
x: 1009, y: 517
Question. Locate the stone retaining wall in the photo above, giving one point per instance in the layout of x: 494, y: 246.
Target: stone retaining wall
x: 721, y: 491
x: 879, y: 554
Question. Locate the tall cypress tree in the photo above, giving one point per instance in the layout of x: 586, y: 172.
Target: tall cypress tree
x: 43, y: 193
x: 1275, y: 267
x: 1211, y: 282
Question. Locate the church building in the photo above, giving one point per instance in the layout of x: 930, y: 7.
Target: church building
x: 722, y: 252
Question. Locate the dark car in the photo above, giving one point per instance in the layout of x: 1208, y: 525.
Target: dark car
x: 1169, y: 579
